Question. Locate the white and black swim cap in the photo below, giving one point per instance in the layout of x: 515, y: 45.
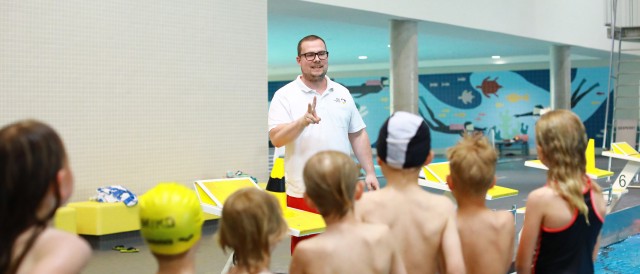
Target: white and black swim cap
x: 404, y: 141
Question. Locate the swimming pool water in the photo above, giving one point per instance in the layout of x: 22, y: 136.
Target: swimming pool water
x: 622, y: 257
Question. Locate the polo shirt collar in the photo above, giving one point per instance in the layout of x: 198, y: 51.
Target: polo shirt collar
x: 304, y: 88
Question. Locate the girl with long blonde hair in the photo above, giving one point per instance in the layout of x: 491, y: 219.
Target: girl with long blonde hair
x: 564, y: 217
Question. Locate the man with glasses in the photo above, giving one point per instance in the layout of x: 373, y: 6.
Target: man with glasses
x: 312, y: 114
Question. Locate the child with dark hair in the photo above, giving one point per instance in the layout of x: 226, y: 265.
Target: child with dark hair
x: 35, y: 180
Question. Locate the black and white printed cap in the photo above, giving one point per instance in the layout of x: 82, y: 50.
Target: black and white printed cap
x: 404, y: 141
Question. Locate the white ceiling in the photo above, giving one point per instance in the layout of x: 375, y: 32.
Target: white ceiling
x: 351, y: 33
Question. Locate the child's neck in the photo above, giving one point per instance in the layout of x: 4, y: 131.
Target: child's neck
x: 401, y: 179
x: 471, y: 203
x: 179, y: 265
x: 264, y: 267
x: 336, y: 223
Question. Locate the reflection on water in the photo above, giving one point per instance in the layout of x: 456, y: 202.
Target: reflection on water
x: 620, y: 258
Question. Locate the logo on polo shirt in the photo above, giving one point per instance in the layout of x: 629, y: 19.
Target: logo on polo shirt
x: 340, y: 100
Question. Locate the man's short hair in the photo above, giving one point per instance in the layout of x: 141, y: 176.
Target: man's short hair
x: 311, y: 37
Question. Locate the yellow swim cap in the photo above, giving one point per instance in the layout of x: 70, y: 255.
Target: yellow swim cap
x: 170, y: 218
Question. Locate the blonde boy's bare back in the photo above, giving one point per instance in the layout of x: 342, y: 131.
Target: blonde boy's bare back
x: 487, y: 238
x: 348, y: 248
x: 423, y: 225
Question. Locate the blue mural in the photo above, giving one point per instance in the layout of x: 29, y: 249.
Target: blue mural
x: 504, y: 104
x: 452, y: 89
x: 540, y: 78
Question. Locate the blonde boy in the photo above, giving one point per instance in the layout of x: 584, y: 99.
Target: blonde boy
x: 347, y: 245
x: 487, y: 236
x: 251, y: 226
x: 422, y: 224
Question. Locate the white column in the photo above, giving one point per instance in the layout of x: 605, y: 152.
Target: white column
x: 560, y: 75
x: 404, y: 66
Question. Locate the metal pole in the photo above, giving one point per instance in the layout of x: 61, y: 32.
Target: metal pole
x: 612, y: 27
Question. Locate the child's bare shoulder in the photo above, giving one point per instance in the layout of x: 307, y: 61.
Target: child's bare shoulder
x: 311, y: 247
x: 52, y: 239
x: 374, y: 196
x: 542, y: 194
x: 435, y: 201
x: 372, y: 200
x: 503, y: 219
x: 303, y: 257
x: 76, y: 253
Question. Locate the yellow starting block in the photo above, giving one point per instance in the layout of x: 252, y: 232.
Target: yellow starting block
x: 624, y: 151
x: 435, y: 176
x: 592, y: 171
x: 212, y: 194
x: 98, y: 219
x: 65, y: 219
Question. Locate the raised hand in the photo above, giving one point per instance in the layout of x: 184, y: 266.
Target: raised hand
x: 311, y: 117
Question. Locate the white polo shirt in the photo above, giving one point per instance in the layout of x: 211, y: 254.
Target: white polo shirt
x: 339, y: 116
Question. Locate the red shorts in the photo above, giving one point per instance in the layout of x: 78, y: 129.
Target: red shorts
x: 299, y: 203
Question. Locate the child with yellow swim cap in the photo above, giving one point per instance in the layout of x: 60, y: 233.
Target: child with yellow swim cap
x: 171, y: 224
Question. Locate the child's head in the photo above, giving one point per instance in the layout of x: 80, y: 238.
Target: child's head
x: 473, y: 165
x: 35, y: 179
x: 561, y: 142
x: 404, y: 141
x: 171, y: 219
x: 331, y: 179
x: 251, y: 225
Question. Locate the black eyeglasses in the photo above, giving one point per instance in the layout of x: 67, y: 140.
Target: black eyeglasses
x: 310, y: 56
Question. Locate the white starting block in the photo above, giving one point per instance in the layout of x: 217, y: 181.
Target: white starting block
x: 624, y: 151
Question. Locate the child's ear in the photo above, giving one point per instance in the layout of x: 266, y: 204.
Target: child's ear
x: 359, y: 190
x: 378, y: 160
x: 450, y: 182
x: 494, y: 182
x: 309, y: 201
x: 540, y: 155
x: 64, y: 179
x: 429, y: 158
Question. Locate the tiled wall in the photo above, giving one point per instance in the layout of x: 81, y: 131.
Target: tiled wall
x: 141, y: 91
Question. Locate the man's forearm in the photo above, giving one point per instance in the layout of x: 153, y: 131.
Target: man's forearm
x: 362, y: 149
x: 286, y: 133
